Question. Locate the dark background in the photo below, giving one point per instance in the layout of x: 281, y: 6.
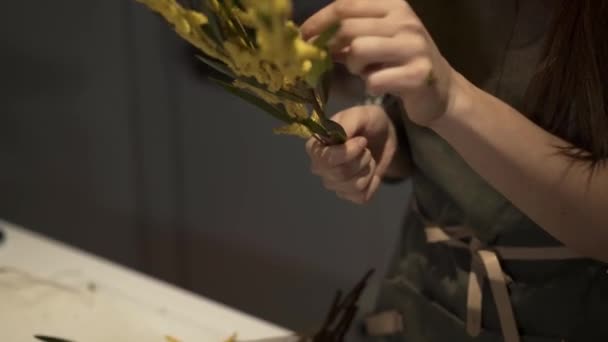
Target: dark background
x: 110, y: 141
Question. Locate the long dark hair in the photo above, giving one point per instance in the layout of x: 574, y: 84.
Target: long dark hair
x: 568, y: 96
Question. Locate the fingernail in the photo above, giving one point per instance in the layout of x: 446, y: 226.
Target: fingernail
x: 362, y: 142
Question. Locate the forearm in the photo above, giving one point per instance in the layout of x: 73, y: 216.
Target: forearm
x: 520, y: 160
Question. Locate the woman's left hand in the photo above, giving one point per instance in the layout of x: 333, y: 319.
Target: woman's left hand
x: 385, y: 43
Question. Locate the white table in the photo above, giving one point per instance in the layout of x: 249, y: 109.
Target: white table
x: 49, y: 288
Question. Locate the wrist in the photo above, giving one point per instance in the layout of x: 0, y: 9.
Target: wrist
x: 460, y: 103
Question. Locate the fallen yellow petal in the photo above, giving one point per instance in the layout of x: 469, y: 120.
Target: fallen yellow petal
x: 231, y: 339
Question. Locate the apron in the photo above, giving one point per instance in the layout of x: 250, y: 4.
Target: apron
x: 470, y: 266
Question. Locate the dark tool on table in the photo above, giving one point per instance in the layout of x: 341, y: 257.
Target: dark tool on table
x: 50, y: 339
x: 338, y: 321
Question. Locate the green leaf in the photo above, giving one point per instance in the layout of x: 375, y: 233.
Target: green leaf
x: 50, y: 339
x: 223, y: 69
x: 213, y: 28
x: 302, y: 90
x: 319, y: 68
x: 335, y: 131
x: 252, y: 36
x: 275, y: 111
x: 239, y: 28
x: 315, y: 127
x: 292, y: 96
x: 324, y: 88
x: 330, y: 131
x: 217, y: 66
x: 238, y: 4
x: 325, y: 36
x: 211, y: 31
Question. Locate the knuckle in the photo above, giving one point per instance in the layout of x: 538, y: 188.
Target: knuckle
x: 356, y: 47
x: 402, y: 25
x: 421, y: 71
x: 417, y: 27
x: 309, y: 149
x: 315, y: 158
x: 372, y: 167
x: 342, y: 172
x: 341, y: 7
x: 360, y: 185
x: 373, y: 86
x: 367, y: 157
x: 346, y: 31
x: 406, y: 19
x: 426, y: 66
x: 418, y: 43
x: 328, y: 159
x: 325, y: 155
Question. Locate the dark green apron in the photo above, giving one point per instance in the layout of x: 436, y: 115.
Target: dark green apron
x: 496, y: 45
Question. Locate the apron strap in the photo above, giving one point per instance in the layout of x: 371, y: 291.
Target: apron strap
x: 485, y: 263
x: 384, y: 324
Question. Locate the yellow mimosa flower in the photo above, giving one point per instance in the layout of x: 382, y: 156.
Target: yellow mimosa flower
x: 296, y: 129
x: 264, y: 95
x: 261, y: 50
x: 187, y: 24
x: 297, y: 110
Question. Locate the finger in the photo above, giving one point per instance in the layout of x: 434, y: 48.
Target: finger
x: 413, y: 75
x: 373, y: 187
x: 310, y: 145
x: 335, y: 12
x: 349, y: 172
x: 356, y: 186
x: 359, y: 184
x: 334, y: 156
x: 362, y: 8
x: 312, y: 149
x: 356, y: 199
x: 340, y: 56
x: 326, y: 158
x: 319, y: 22
x: 356, y: 27
x: 369, y: 50
x: 353, y: 120
x: 362, y: 197
x: 343, y: 196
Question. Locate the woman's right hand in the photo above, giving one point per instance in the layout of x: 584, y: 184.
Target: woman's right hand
x: 354, y: 170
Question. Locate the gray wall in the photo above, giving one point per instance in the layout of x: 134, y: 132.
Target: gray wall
x: 110, y: 142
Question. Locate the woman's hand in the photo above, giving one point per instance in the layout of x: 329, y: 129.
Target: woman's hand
x: 354, y: 169
x: 385, y: 43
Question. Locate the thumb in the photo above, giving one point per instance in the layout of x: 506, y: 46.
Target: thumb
x: 353, y: 120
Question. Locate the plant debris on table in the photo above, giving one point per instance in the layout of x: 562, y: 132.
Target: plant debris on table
x: 336, y: 325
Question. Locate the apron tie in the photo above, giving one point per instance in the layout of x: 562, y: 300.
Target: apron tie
x: 485, y: 264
